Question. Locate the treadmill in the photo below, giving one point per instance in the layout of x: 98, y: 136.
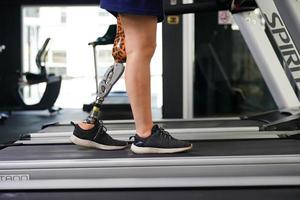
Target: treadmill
x: 279, y: 73
x: 261, y: 168
x: 282, y: 84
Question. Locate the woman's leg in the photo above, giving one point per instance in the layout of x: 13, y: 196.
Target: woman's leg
x: 140, y: 38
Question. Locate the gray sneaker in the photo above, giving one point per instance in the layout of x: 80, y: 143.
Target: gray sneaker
x: 96, y: 137
x: 160, y: 141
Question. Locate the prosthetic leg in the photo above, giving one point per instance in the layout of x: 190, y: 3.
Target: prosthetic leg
x: 112, y: 75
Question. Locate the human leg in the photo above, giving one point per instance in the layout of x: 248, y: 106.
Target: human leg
x: 140, y: 38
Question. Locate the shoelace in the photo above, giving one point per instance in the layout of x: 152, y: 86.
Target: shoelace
x: 164, y: 134
x: 101, y: 129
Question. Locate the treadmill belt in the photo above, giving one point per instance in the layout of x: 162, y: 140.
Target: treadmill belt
x: 200, y: 148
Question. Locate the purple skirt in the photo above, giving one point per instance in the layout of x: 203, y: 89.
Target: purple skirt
x: 136, y: 7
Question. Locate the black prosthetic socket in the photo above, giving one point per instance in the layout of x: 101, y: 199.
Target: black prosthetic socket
x: 95, y: 114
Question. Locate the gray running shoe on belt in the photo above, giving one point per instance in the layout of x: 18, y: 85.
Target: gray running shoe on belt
x: 96, y: 137
x: 160, y: 141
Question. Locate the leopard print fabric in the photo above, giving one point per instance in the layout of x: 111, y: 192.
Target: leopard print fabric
x: 119, y: 51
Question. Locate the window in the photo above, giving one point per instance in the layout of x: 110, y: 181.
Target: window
x: 71, y: 28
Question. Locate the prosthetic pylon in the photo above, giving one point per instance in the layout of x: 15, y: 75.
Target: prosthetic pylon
x: 112, y: 75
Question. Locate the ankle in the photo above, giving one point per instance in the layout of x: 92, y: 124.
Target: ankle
x: 85, y: 126
x: 144, y: 133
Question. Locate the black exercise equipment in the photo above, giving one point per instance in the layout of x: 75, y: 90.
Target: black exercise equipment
x: 50, y: 95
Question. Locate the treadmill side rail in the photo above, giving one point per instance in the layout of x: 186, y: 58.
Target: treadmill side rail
x: 218, y: 171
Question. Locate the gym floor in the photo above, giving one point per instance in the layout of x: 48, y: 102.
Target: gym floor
x: 23, y: 122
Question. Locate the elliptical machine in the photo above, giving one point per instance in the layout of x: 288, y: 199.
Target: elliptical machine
x: 50, y: 95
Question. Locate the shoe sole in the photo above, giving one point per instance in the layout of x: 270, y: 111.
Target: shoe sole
x: 145, y: 150
x: 91, y: 144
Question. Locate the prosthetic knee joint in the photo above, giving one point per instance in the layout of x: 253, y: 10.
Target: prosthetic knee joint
x: 112, y: 75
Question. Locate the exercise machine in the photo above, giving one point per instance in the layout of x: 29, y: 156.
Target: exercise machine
x: 50, y: 95
x: 241, y: 168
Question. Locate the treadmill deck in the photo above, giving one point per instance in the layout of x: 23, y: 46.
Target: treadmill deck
x: 238, y: 163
